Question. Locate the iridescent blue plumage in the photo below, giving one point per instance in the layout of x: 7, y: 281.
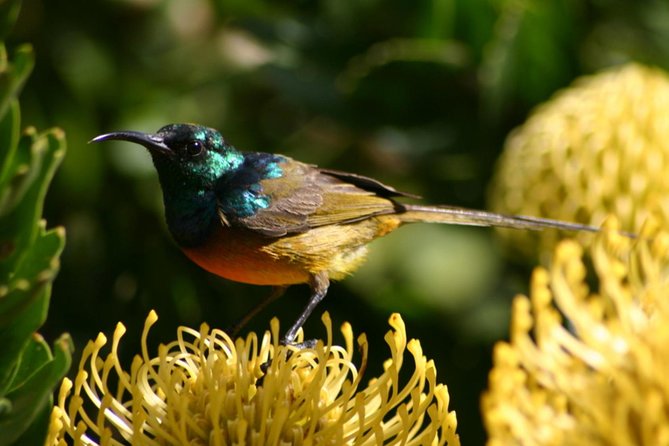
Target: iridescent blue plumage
x: 240, y: 193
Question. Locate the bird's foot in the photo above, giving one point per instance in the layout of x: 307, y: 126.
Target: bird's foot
x: 319, y: 286
x: 309, y: 343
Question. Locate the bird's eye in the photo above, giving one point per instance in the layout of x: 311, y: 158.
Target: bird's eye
x: 194, y: 148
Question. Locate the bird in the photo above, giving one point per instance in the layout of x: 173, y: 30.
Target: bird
x: 267, y: 219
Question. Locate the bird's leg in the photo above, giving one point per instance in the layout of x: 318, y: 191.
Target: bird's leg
x: 276, y: 292
x: 319, y: 284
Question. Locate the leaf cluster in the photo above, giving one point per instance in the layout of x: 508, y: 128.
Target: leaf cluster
x: 29, y: 258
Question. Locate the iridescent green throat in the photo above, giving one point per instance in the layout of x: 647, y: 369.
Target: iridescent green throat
x: 189, y: 193
x: 228, y: 182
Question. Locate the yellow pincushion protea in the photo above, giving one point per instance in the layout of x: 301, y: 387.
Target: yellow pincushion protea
x: 206, y: 389
x: 582, y: 367
x: 599, y: 147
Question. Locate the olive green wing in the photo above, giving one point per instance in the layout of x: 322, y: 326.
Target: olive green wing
x: 306, y: 197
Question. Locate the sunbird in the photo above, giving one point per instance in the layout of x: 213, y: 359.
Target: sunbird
x: 266, y: 219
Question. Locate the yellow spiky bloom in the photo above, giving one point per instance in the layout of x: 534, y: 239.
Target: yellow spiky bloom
x: 585, y: 367
x: 598, y: 148
x: 206, y: 389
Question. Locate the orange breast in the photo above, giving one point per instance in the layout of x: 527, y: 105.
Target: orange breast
x: 239, y: 256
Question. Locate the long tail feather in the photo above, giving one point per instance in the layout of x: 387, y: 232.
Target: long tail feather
x: 463, y: 216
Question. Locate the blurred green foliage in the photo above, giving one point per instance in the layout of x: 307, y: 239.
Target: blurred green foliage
x: 29, y: 258
x: 419, y: 94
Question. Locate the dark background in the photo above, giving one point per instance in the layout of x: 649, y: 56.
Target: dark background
x: 419, y: 94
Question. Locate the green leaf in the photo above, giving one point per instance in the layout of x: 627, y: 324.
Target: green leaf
x: 30, y: 399
x: 24, y: 167
x: 10, y: 127
x: 29, y: 257
x: 9, y: 10
x: 36, y: 432
x: 540, y: 35
x: 19, y: 228
x: 23, y: 308
x: 35, y: 354
x: 16, y: 336
x: 36, y: 270
x: 31, y: 263
x: 14, y: 74
x: 38, y: 266
x: 5, y: 406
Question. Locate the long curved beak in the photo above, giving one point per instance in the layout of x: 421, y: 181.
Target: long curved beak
x: 153, y: 142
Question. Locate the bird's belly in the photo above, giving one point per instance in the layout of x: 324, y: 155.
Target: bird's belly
x: 244, y: 256
x: 239, y: 256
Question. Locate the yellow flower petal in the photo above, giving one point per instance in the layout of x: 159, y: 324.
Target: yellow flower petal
x: 598, y: 148
x: 585, y: 367
x: 206, y: 389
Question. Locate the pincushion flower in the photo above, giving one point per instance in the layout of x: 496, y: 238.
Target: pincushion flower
x: 587, y: 367
x: 599, y: 147
x: 206, y: 389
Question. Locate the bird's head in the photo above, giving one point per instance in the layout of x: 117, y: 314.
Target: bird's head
x: 184, y: 154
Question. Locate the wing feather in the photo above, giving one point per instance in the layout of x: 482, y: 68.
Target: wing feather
x: 306, y: 197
